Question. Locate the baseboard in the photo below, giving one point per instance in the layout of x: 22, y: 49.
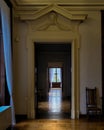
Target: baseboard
x: 20, y: 118
x: 10, y: 128
x: 82, y: 116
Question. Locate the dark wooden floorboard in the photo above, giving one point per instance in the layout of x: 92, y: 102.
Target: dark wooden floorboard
x: 54, y: 114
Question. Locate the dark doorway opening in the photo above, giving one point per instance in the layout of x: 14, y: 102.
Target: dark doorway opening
x: 53, y: 80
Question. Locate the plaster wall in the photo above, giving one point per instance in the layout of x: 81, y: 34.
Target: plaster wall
x: 90, y: 58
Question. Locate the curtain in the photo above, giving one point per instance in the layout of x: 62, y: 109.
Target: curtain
x: 51, y: 75
x: 59, y: 74
x: 5, y: 15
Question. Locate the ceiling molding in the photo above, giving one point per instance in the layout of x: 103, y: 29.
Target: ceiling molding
x: 22, y: 5
x: 51, y: 8
x: 65, y: 2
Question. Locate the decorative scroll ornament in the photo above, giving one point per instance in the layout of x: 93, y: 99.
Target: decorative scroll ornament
x: 53, y: 21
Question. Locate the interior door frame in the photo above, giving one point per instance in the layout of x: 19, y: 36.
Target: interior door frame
x: 69, y: 37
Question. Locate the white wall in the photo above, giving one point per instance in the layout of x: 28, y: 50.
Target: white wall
x: 90, y: 60
x: 90, y: 55
x: 20, y: 68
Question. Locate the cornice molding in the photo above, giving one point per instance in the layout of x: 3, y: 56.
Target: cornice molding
x: 51, y: 8
x: 38, y: 4
x: 65, y: 2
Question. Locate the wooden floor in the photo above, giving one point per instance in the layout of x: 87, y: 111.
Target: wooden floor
x: 55, y: 107
x: 51, y: 116
x: 42, y: 124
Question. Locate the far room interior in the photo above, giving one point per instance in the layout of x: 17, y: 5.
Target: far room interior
x: 53, y: 84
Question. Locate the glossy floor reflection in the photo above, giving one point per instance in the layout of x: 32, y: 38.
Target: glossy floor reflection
x: 55, y: 107
x: 55, y: 99
x: 59, y: 125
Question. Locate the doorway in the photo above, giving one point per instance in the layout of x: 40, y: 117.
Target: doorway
x: 53, y: 64
x: 55, y: 77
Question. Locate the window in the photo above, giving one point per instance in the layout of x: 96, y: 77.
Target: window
x: 55, y: 75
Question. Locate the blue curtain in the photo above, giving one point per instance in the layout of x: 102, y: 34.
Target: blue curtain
x: 5, y: 15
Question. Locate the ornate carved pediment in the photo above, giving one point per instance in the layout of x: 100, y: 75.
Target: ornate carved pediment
x: 51, y: 8
x: 53, y: 22
x: 53, y: 17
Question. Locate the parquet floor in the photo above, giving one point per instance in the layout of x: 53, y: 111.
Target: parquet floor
x: 55, y: 107
x: 68, y: 124
x: 54, y: 117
